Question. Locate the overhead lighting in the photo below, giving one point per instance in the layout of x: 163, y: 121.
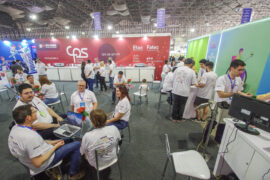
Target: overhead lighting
x: 24, y: 42
x: 67, y: 27
x: 74, y: 37
x: 154, y: 31
x: 192, y: 30
x: 96, y: 36
x: 83, y: 33
x: 51, y: 34
x: 183, y: 35
x: 155, y: 24
x: 28, y: 29
x: 117, y: 32
x: 109, y: 27
x: 7, y: 43
x: 207, y: 24
x: 33, y: 16
x: 53, y: 38
x: 33, y: 40
x: 67, y: 37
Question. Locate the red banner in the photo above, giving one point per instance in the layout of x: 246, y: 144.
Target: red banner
x: 125, y: 52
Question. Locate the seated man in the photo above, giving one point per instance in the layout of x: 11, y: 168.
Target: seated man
x: 20, y: 77
x: 32, y: 81
x: 103, y: 139
x: 33, y: 151
x: 47, y: 119
x: 83, y: 98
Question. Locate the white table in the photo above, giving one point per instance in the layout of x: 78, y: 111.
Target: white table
x: 248, y: 156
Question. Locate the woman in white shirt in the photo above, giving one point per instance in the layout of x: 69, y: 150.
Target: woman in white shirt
x: 102, y: 139
x: 102, y: 73
x: 122, y: 110
x: 48, y: 90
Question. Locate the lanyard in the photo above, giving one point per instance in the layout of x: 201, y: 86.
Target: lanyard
x: 232, y: 82
x: 81, y: 97
x: 26, y: 127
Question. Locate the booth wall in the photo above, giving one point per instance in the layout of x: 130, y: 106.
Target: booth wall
x: 254, y: 39
x: 125, y: 52
x: 213, y: 47
x: 197, y: 49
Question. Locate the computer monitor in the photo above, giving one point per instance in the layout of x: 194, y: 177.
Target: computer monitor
x: 251, y: 111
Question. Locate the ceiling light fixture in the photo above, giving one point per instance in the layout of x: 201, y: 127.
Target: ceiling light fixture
x: 83, y: 33
x: 192, y: 30
x: 74, y: 37
x: 67, y: 37
x: 51, y: 34
x: 109, y: 27
x: 66, y: 27
x: 28, y: 29
x: 53, y: 38
x: 96, y: 36
x: 155, y: 24
x: 117, y: 32
x: 33, y: 16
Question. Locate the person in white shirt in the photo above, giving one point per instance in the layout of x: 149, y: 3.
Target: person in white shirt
x: 206, y: 86
x: 117, y: 81
x: 165, y: 70
x: 32, y: 81
x: 83, y: 98
x: 102, y: 139
x: 143, y: 90
x: 183, y: 78
x: 33, y: 151
x: 96, y: 67
x: 47, y: 119
x: 122, y: 110
x: 172, y: 65
x: 181, y: 60
x: 111, y: 73
x: 202, y: 69
x: 168, y: 85
x: 48, y: 90
x: 102, y: 73
x: 41, y: 68
x: 89, y: 75
x: 20, y: 77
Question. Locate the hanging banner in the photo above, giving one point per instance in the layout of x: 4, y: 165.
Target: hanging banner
x: 246, y: 16
x: 97, y: 22
x: 161, y: 18
x: 125, y: 52
x: 213, y: 47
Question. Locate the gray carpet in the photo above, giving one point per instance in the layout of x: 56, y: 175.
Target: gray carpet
x: 143, y: 158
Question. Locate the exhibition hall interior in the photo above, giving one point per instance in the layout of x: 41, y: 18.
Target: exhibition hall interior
x: 135, y: 89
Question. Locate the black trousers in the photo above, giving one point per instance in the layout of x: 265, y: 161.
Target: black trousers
x: 102, y: 83
x: 179, y: 103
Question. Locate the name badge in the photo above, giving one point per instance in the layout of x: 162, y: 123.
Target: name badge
x: 82, y: 104
x: 42, y: 114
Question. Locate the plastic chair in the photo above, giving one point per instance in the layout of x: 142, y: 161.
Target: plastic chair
x: 155, y: 82
x: 189, y: 163
x: 140, y: 95
x: 103, y: 151
x: 161, y: 93
x: 59, y: 102
x: 61, y: 92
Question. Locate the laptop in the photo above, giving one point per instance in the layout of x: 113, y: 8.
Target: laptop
x: 70, y: 126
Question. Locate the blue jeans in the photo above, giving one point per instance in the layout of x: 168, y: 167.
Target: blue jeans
x: 120, y: 124
x: 69, y: 150
x: 96, y: 79
x: 90, y: 83
x: 50, y: 100
x: 111, y: 82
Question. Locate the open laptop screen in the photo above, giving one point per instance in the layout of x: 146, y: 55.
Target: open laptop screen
x: 74, y: 118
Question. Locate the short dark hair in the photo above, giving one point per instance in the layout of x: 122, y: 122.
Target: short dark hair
x: 98, y: 118
x: 203, y: 61
x: 110, y: 61
x: 166, y: 61
x: 20, y: 113
x: 189, y: 61
x: 88, y: 61
x: 120, y: 72
x: 237, y: 63
x: 29, y: 75
x: 181, y: 58
x: 144, y: 80
x: 13, y: 62
x: 209, y: 64
x: 18, y: 60
x: 24, y: 86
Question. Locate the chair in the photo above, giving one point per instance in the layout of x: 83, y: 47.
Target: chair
x: 189, y: 163
x: 160, y: 95
x: 140, y: 95
x: 59, y: 102
x: 101, y: 152
x: 3, y: 90
x: 155, y: 82
x: 61, y: 92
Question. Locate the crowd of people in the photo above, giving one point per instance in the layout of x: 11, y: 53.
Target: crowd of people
x: 32, y: 139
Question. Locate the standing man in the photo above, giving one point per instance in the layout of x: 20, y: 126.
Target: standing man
x: 111, y: 73
x: 20, y: 77
x: 14, y: 67
x: 89, y: 75
x: 183, y: 78
x: 118, y: 80
x: 32, y: 81
x: 165, y: 70
x: 83, y: 98
x: 202, y: 69
x: 41, y: 68
x: 206, y: 86
x: 181, y: 60
x: 96, y: 70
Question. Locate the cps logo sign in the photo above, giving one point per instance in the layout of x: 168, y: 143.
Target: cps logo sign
x: 77, y: 53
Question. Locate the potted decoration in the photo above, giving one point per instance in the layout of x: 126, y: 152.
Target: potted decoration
x: 82, y: 111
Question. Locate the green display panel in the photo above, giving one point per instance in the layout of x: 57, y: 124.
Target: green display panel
x: 197, y: 49
x: 254, y: 41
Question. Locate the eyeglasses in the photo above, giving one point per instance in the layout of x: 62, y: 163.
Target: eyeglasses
x: 27, y: 93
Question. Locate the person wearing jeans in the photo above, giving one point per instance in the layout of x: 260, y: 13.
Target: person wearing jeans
x: 35, y: 152
x: 183, y: 78
x: 111, y: 73
x: 102, y: 73
x: 89, y: 75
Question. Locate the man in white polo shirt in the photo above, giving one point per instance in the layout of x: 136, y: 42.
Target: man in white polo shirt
x: 89, y: 75
x: 111, y: 73
x: 41, y: 68
x: 206, y: 86
x: 183, y: 78
x: 33, y: 151
x: 47, y: 119
x: 83, y: 98
x: 118, y: 80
